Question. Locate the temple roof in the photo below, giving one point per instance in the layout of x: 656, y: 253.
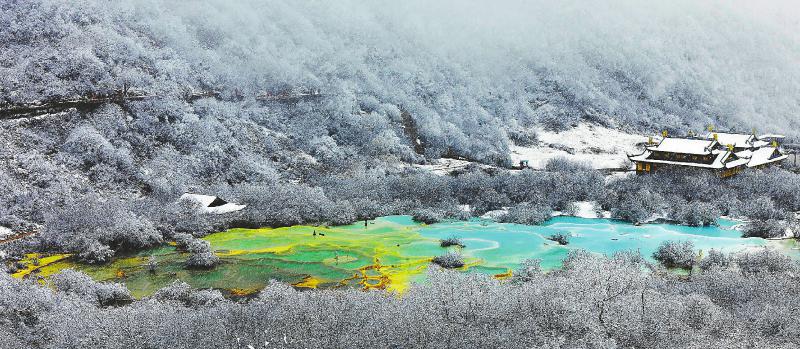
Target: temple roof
x: 771, y: 136
x: 718, y: 163
x: 684, y: 146
x: 738, y: 140
x: 757, y: 151
x: 765, y: 156
x: 212, y: 204
x: 760, y: 143
x: 750, y: 158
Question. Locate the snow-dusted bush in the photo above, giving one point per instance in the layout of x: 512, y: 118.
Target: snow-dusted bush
x: 285, y: 204
x: 427, y: 216
x: 94, y: 227
x: 571, y: 209
x: 562, y: 164
x: 637, y: 207
x: 183, y: 241
x: 200, y: 255
x: 452, y: 240
x: 449, y: 260
x: 182, y: 293
x: 152, y: 264
x: 761, y: 208
x: 767, y: 260
x: 489, y: 200
x: 527, y: 213
x: 676, y: 254
x: 714, y: 259
x: 183, y: 217
x: 82, y: 285
x: 94, y: 252
x: 764, y: 229
x: 560, y: 238
x: 528, y: 270
x: 694, y: 213
x: 90, y: 148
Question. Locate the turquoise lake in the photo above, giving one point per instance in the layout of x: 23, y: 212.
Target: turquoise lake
x: 392, y: 252
x: 505, y: 245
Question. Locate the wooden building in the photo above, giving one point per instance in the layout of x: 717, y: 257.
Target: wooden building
x: 723, y: 153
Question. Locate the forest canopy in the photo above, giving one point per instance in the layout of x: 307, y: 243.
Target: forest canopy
x: 468, y: 74
x: 321, y: 113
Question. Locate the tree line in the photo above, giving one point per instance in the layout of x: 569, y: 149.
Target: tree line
x: 592, y: 301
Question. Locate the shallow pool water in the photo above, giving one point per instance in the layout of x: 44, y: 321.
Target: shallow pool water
x: 390, y: 252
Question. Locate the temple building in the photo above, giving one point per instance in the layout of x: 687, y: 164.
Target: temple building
x: 724, y: 153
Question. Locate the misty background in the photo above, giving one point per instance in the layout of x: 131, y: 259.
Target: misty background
x: 474, y: 75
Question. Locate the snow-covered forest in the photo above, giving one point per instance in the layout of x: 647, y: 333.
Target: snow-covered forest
x: 593, y: 302
x: 317, y: 113
x: 472, y: 76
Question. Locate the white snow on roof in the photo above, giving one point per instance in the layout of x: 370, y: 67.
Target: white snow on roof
x: 203, y: 200
x: 758, y: 153
x: 718, y: 161
x: 762, y: 156
x: 760, y: 144
x: 737, y: 162
x: 685, y: 146
x: 771, y: 136
x: 738, y: 140
x: 206, y: 200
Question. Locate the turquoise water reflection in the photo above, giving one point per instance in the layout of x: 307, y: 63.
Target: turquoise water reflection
x: 501, y: 246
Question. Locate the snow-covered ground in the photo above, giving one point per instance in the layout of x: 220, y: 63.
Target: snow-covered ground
x: 443, y: 166
x: 5, y: 233
x: 585, y: 209
x: 496, y: 214
x: 600, y: 147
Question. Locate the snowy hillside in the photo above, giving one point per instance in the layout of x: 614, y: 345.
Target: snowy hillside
x: 597, y: 146
x: 470, y: 79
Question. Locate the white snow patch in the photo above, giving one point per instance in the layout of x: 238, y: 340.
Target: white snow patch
x: 586, y: 209
x: 655, y: 218
x: 496, y: 214
x: 5, y: 232
x: 443, y: 166
x: 618, y: 175
x: 600, y: 147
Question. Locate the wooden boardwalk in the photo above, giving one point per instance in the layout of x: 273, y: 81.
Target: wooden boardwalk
x: 29, y: 110
x: 18, y: 236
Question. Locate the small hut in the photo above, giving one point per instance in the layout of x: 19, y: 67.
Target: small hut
x: 212, y: 204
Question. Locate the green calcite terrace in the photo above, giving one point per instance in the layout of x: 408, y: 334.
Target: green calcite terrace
x: 391, y: 252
